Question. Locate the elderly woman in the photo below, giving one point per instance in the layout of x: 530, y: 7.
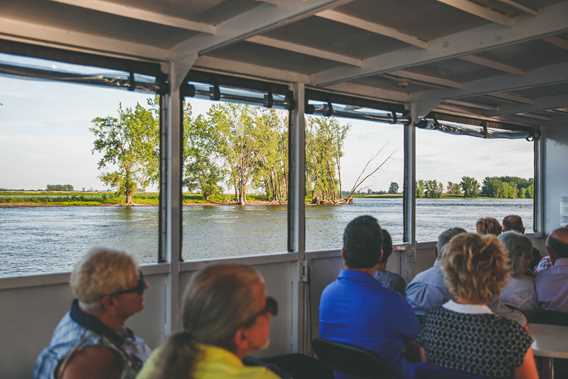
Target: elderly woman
x: 520, y: 292
x: 488, y: 225
x: 92, y: 340
x: 226, y: 315
x: 464, y: 334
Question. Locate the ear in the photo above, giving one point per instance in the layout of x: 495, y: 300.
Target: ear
x: 343, y: 253
x: 240, y: 341
x: 381, y: 255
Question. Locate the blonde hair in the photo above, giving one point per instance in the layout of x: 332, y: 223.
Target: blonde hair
x: 476, y: 267
x: 100, y: 272
x: 219, y: 300
x: 488, y: 225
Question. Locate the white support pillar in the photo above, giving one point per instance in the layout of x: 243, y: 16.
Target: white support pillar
x: 296, y: 216
x: 173, y: 198
x: 539, y: 183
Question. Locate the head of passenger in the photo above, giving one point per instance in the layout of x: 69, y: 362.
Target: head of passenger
x: 488, y: 225
x: 443, y: 240
x: 514, y: 223
x: 475, y: 268
x: 363, y: 243
x: 224, y: 306
x: 520, y: 251
x: 557, y: 244
x: 109, y: 285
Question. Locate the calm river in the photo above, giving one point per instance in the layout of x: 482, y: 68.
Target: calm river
x: 51, y: 239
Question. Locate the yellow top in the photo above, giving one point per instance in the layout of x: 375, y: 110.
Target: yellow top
x: 215, y: 363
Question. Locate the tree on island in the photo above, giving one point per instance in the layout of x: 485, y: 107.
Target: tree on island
x: 470, y: 186
x: 454, y: 189
x: 393, y: 188
x: 129, y: 145
x: 433, y: 189
x: 59, y: 187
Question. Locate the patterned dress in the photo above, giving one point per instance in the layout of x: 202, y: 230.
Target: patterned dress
x: 482, y: 344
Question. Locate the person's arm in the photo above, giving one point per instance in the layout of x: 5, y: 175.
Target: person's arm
x: 528, y: 369
x: 94, y: 362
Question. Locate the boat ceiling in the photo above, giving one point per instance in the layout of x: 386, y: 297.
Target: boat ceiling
x: 503, y: 60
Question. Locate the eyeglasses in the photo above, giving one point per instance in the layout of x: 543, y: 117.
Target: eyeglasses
x: 139, y: 289
x: 270, y: 307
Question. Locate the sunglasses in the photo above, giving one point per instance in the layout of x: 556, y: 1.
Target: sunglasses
x: 270, y: 307
x: 139, y: 289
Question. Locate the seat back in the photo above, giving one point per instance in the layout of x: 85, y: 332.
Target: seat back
x: 350, y: 360
x: 548, y: 317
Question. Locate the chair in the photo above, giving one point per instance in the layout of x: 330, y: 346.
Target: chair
x: 292, y: 366
x: 350, y: 360
x: 548, y: 317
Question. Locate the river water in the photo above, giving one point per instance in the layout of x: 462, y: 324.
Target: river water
x: 51, y: 239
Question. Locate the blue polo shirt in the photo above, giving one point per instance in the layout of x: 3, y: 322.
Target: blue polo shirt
x: 357, y: 310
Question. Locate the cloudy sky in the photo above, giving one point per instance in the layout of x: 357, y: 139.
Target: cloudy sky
x: 44, y: 139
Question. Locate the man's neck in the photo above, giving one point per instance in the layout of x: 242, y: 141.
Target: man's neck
x: 371, y: 271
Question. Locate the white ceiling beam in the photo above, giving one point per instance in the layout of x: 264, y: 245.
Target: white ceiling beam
x: 539, y: 104
x: 372, y: 27
x: 543, y: 76
x: 519, y: 6
x: 551, y: 20
x: 510, y: 97
x: 66, y: 38
x: 533, y: 116
x: 423, y: 78
x: 370, y: 92
x: 255, y: 21
x: 128, y: 11
x: 479, y: 11
x: 557, y: 41
x: 306, y: 50
x: 469, y: 104
x: 481, y: 61
x: 249, y: 69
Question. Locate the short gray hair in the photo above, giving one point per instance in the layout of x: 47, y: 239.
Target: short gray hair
x: 520, y: 248
x: 444, y: 238
x: 100, y: 272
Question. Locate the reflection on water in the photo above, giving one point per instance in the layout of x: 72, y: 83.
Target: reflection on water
x: 34, y: 240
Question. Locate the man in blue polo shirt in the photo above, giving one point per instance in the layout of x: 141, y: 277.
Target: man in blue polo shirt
x: 357, y: 310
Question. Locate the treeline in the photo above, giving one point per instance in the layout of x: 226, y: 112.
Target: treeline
x: 59, y: 187
x: 505, y: 187
x: 232, y: 146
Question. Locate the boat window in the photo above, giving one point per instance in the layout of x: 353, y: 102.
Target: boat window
x: 466, y: 171
x: 354, y: 166
x: 235, y: 174
x: 77, y: 145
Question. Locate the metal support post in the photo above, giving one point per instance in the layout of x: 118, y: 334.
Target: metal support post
x: 296, y: 215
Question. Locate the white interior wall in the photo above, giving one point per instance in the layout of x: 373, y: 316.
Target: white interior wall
x: 555, y: 173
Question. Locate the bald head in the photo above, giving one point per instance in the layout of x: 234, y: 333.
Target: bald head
x: 513, y: 222
x: 557, y: 243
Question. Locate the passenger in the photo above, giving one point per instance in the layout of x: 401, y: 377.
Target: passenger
x: 427, y: 290
x: 552, y: 284
x: 515, y: 223
x: 225, y: 315
x: 92, y: 340
x: 488, y: 225
x: 464, y: 333
x: 390, y: 280
x: 520, y: 291
x: 357, y: 310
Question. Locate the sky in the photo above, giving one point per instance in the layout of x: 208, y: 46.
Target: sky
x: 45, y: 139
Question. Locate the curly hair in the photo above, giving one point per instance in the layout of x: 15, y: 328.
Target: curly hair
x: 101, y: 272
x: 488, y: 225
x: 476, y: 267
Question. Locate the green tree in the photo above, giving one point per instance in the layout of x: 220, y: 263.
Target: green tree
x: 470, y: 186
x: 129, y: 148
x: 454, y: 189
x: 201, y: 158
x: 393, y: 188
x: 420, y: 188
x: 433, y: 189
x: 324, y: 149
